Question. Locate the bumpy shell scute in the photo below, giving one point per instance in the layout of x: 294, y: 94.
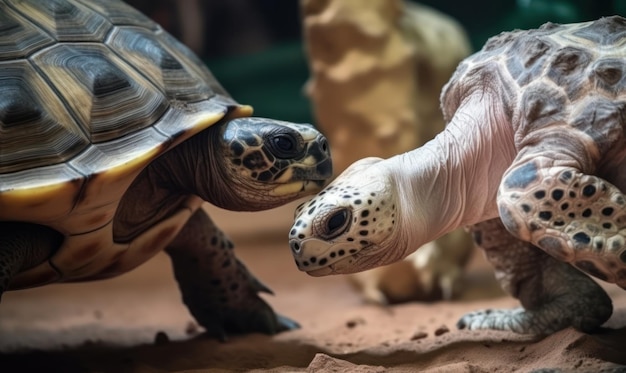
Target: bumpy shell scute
x: 119, y: 13
x: 64, y: 20
x: 605, y: 31
x: 177, y: 78
x: 194, y: 63
x: 175, y: 123
x: 29, y: 106
x: 109, y: 98
x: 18, y: 37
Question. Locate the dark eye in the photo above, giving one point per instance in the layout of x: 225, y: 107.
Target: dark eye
x: 285, y: 145
x: 337, y: 222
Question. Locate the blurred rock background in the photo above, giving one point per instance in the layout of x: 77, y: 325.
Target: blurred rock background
x: 255, y: 47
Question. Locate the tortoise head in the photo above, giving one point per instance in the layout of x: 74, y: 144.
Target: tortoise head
x: 350, y: 226
x: 270, y: 162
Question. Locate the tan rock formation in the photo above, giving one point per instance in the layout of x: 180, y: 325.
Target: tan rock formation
x: 377, y: 68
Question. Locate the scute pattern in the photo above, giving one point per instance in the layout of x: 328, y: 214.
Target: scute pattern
x: 99, y: 87
x: 120, y: 13
x: 574, y: 112
x: 141, y: 48
x: 18, y: 38
x: 94, y: 60
x: 64, y: 20
x: 29, y: 105
x: 527, y: 68
x: 605, y: 31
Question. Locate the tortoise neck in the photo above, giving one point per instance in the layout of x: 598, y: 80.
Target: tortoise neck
x: 191, y: 168
x: 196, y: 167
x: 453, y: 180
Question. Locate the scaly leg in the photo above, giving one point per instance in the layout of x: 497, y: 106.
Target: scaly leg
x: 217, y: 288
x: 575, y: 217
x: 554, y: 295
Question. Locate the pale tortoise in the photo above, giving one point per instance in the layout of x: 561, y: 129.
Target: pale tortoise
x: 112, y: 134
x: 533, y: 158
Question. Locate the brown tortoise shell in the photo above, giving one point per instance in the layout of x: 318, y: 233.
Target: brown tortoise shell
x: 90, y: 92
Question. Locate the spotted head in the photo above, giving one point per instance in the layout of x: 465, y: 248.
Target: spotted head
x: 350, y: 226
x: 267, y: 162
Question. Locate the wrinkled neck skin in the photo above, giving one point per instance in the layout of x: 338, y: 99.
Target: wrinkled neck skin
x: 157, y: 192
x: 453, y: 180
x: 197, y: 167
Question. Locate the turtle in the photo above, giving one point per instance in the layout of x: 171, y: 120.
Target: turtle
x: 532, y: 160
x: 112, y: 136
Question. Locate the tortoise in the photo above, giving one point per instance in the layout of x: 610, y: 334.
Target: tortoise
x: 533, y: 159
x: 112, y: 134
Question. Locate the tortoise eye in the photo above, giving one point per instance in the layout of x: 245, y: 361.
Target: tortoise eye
x: 284, y: 146
x: 337, y: 222
x: 284, y: 143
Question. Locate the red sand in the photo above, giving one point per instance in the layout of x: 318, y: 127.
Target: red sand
x: 112, y: 325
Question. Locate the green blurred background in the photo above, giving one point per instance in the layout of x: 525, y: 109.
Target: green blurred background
x: 254, y: 46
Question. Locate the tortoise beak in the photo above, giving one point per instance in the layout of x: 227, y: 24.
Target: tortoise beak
x: 298, y: 187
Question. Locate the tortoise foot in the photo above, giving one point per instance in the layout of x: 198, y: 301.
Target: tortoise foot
x: 249, y: 315
x: 217, y: 288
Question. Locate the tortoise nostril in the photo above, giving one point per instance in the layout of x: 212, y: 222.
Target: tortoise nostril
x: 295, y: 246
x: 324, y: 144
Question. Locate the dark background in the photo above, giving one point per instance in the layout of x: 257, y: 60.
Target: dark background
x: 254, y: 47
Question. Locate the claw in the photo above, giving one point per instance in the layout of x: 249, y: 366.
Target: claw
x: 216, y: 331
x: 461, y: 324
x: 260, y: 287
x: 286, y: 323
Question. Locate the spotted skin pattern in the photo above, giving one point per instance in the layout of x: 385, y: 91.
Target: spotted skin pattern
x: 372, y: 215
x: 574, y: 217
x: 541, y: 113
x: 257, y: 158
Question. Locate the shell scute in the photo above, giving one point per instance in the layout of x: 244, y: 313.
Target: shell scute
x: 608, y: 75
x: 192, y: 62
x: 567, y: 70
x: 35, y: 128
x: 120, y: 13
x: 542, y: 105
x: 168, y: 71
x: 500, y: 40
x: 101, y: 89
x: 18, y: 37
x: 529, y: 59
x: 605, y: 31
x: 602, y: 119
x: 64, y: 20
x: 40, y: 195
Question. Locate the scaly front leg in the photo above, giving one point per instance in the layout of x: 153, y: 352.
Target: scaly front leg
x: 575, y: 217
x: 554, y: 295
x: 216, y: 287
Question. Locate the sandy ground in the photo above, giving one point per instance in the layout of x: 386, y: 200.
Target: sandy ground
x: 136, y: 323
